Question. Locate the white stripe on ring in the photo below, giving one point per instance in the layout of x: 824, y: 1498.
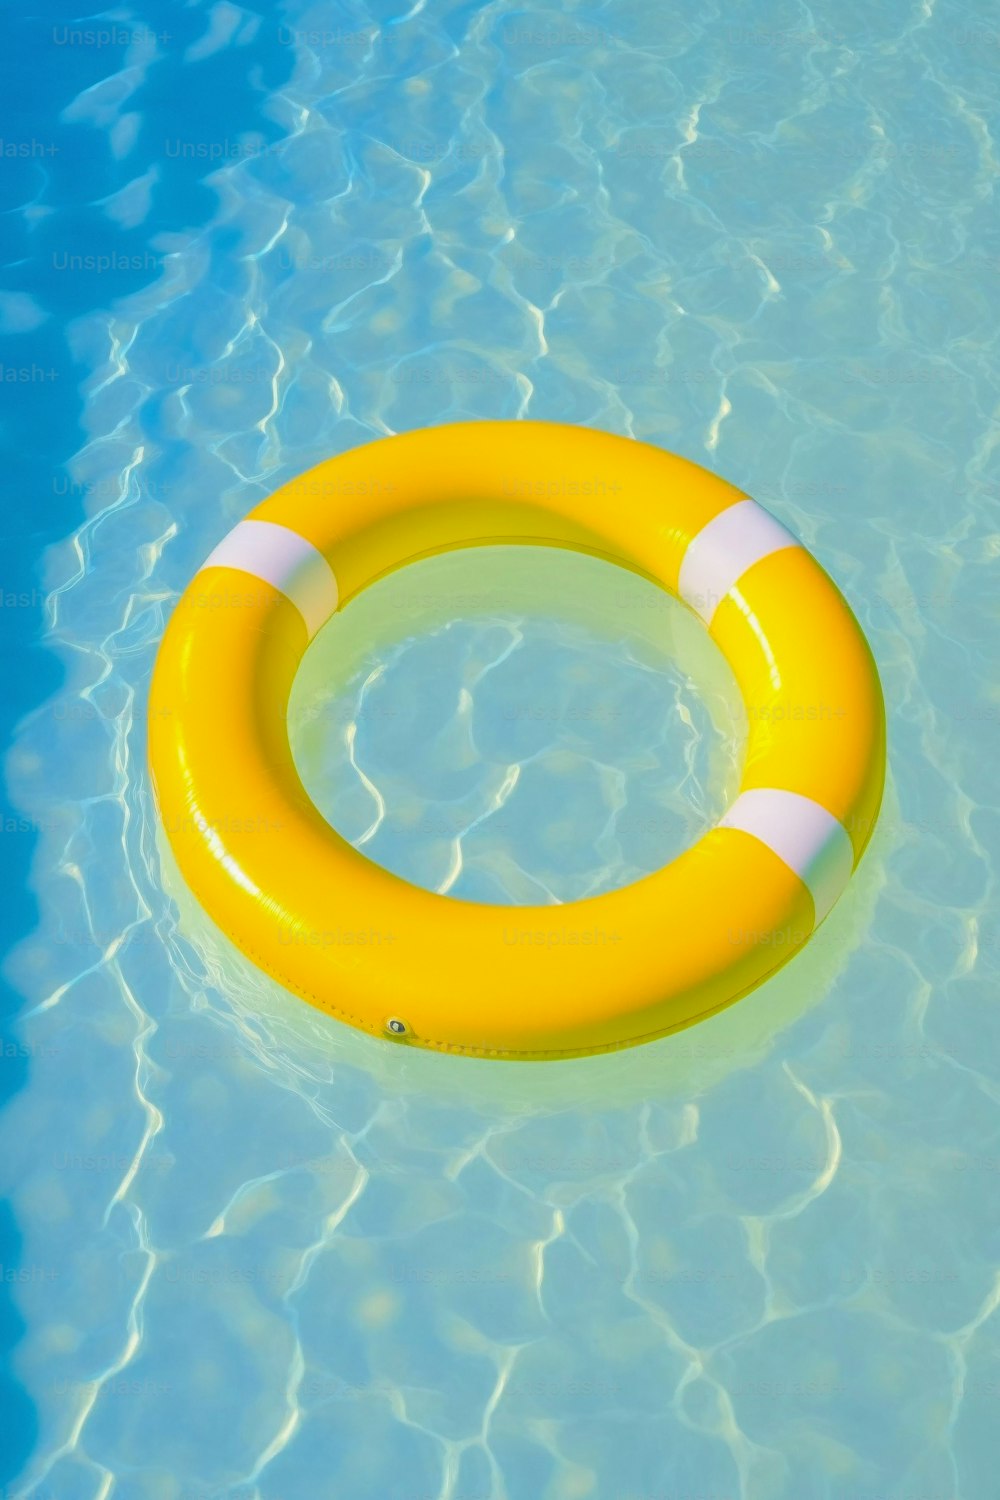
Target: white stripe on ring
x: 723, y: 550
x: 285, y: 560
x: 810, y: 840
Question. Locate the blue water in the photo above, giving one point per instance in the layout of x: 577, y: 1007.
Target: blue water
x: 251, y: 1253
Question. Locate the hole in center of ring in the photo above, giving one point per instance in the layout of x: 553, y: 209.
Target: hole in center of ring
x: 517, y: 725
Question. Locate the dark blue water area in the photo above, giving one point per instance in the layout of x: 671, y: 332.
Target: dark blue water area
x: 53, y: 175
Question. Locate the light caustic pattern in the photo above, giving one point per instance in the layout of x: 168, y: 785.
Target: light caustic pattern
x: 272, y: 1261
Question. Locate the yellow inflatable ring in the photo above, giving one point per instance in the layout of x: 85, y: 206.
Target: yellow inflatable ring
x: 514, y: 982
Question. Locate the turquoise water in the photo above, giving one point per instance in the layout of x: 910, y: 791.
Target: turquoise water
x: 263, y: 1256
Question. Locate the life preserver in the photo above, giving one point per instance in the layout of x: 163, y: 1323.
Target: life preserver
x: 514, y: 982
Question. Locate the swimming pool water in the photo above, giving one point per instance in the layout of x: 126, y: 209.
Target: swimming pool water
x: 256, y: 1254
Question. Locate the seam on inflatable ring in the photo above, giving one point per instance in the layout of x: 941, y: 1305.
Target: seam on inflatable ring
x: 502, y: 1054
